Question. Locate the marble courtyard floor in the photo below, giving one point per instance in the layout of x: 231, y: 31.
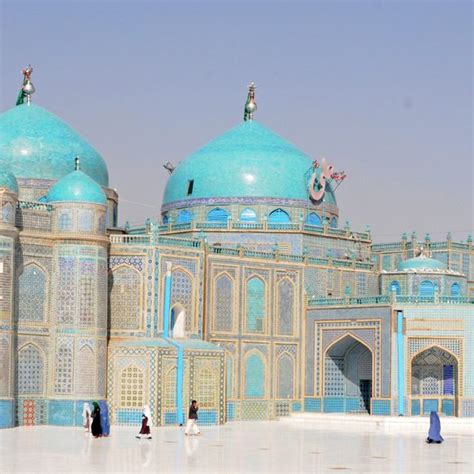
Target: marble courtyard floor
x: 238, y: 447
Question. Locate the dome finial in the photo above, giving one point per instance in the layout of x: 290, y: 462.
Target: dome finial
x: 27, y: 89
x: 77, y: 164
x: 250, y: 105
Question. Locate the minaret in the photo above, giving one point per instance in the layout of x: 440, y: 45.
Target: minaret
x: 250, y: 104
x: 79, y: 295
x: 8, y: 242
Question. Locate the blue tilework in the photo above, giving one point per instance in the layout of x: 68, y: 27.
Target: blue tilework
x: 207, y: 417
x: 312, y: 404
x: 6, y: 413
x: 129, y: 417
x: 447, y: 407
x: 7, y: 179
x: 430, y: 405
x: 61, y: 412
x: 333, y: 405
x: 254, y: 377
x: 352, y: 404
x: 380, y: 407
x: 415, y: 407
x: 230, y: 411
x: 38, y: 144
x: 296, y: 406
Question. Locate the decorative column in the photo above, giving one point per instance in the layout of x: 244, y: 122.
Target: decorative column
x: 401, y: 364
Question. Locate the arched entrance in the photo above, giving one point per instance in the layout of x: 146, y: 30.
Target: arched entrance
x: 177, y: 321
x: 434, y: 382
x: 347, y: 376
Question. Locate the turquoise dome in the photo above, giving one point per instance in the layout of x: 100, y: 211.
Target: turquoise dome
x: 246, y: 161
x: 37, y: 144
x: 421, y: 263
x: 7, y: 179
x: 76, y: 187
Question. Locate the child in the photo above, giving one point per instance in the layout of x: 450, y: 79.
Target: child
x: 192, y: 419
x: 145, y: 431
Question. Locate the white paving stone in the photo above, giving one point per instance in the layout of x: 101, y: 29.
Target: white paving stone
x: 270, y: 446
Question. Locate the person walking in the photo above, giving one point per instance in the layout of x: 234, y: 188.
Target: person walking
x: 145, y: 431
x: 434, y: 434
x: 86, y: 417
x: 104, y: 418
x: 191, y: 424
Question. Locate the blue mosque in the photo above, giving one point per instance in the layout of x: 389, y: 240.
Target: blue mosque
x: 247, y: 292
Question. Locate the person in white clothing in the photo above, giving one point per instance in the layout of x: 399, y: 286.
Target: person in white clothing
x: 191, y: 424
x: 86, y: 417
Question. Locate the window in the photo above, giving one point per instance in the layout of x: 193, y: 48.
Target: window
x: 248, y: 215
x: 218, y: 215
x: 30, y: 371
x: 190, y: 187
x: 455, y: 290
x: 184, y: 217
x: 254, y: 377
x: 426, y: 288
x: 255, y: 305
x: 165, y: 219
x: 132, y: 387
x: 395, y: 287
x: 314, y: 219
x: 125, y: 299
x: 32, y: 293
x: 278, y: 216
x: 333, y: 223
x: 65, y: 220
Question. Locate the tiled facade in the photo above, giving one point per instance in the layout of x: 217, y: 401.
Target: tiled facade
x: 255, y: 306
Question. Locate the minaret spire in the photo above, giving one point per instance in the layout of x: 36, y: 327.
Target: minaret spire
x: 250, y: 105
x: 27, y: 89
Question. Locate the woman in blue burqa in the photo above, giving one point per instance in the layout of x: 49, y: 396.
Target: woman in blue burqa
x: 104, y: 418
x: 434, y: 434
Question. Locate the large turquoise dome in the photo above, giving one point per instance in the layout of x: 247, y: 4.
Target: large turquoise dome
x: 248, y: 161
x: 7, y: 180
x: 76, y: 187
x: 37, y: 144
x: 421, y: 264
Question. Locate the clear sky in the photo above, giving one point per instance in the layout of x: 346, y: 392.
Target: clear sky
x: 382, y: 89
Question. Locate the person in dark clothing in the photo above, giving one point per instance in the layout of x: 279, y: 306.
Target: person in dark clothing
x: 145, y: 431
x: 434, y: 434
x: 191, y: 424
x: 96, y: 426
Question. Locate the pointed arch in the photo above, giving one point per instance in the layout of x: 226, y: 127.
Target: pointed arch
x: 184, y: 216
x: 255, y: 304
x: 125, y: 298
x: 217, y: 215
x: 279, y: 216
x: 31, y: 370
x: 426, y: 288
x: 248, y: 215
x: 314, y: 219
x: 32, y: 292
x: 182, y: 292
x: 178, y: 321
x: 395, y: 287
x: 333, y: 222
x: 285, y: 376
x: 286, y: 306
x: 455, y: 290
x: 255, y: 376
x: 86, y: 371
x: 223, y: 307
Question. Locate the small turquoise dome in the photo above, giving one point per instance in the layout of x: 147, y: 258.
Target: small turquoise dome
x: 38, y: 144
x: 7, y: 180
x: 76, y: 187
x: 421, y: 263
x: 246, y: 161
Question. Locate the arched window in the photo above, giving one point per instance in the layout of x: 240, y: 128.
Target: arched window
x: 248, y: 215
x: 333, y: 222
x: 286, y: 301
x: 217, y: 215
x: 278, y: 216
x: 223, y: 303
x: 395, y: 287
x: 86, y: 373
x: 255, y: 305
x: 30, y: 371
x: 177, y: 321
x: 165, y: 219
x: 182, y: 294
x: 314, y: 219
x: 184, y: 217
x: 254, y: 377
x: 32, y: 293
x: 7, y: 212
x: 132, y: 387
x: 65, y: 220
x: 85, y: 220
x: 125, y: 300
x: 206, y: 388
x: 347, y: 291
x: 455, y: 290
x: 426, y: 288
x: 285, y: 376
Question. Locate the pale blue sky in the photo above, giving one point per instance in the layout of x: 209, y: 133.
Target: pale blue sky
x: 382, y: 89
